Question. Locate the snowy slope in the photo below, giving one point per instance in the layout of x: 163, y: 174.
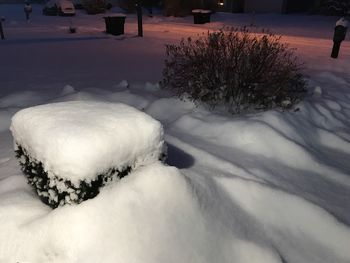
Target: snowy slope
x: 262, y: 187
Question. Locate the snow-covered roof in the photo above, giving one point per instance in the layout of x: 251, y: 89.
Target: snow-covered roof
x: 77, y: 140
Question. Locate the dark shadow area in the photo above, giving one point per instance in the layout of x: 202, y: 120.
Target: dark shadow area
x: 179, y: 158
x: 48, y: 40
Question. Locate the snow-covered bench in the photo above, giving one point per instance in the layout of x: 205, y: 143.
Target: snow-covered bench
x: 69, y: 150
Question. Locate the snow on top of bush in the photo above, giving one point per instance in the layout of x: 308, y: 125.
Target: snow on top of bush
x: 77, y: 140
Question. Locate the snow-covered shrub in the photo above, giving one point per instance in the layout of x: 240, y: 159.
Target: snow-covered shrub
x: 69, y: 150
x: 94, y: 6
x: 235, y: 68
x: 55, y: 191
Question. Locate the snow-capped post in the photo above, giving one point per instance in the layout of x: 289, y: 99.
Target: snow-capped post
x: 27, y: 9
x: 139, y: 18
x: 339, y: 35
x: 2, y: 19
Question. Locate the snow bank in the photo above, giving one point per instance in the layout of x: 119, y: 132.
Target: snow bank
x: 78, y: 140
x: 153, y: 215
x: 241, y: 198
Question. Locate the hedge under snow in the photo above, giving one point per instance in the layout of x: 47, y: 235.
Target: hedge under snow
x: 69, y: 150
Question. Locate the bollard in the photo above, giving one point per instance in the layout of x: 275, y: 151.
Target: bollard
x: 2, y: 19
x: 339, y: 36
x: 139, y: 18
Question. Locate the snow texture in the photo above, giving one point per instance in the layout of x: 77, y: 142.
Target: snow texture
x: 78, y: 140
x: 342, y: 22
x: 263, y: 187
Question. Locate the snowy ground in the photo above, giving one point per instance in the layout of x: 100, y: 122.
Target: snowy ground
x: 264, y: 187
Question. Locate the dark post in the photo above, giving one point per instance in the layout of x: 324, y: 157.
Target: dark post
x: 335, y: 49
x: 27, y: 9
x: 1, y: 30
x: 339, y: 36
x: 139, y: 18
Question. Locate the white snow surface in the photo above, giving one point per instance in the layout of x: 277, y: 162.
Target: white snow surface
x: 342, y: 22
x: 261, y: 187
x: 79, y: 140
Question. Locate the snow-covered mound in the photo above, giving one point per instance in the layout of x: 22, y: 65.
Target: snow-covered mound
x: 157, y: 214
x: 71, y: 146
x: 153, y: 215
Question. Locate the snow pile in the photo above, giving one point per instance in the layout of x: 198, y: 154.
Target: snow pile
x: 151, y: 216
x: 78, y: 143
